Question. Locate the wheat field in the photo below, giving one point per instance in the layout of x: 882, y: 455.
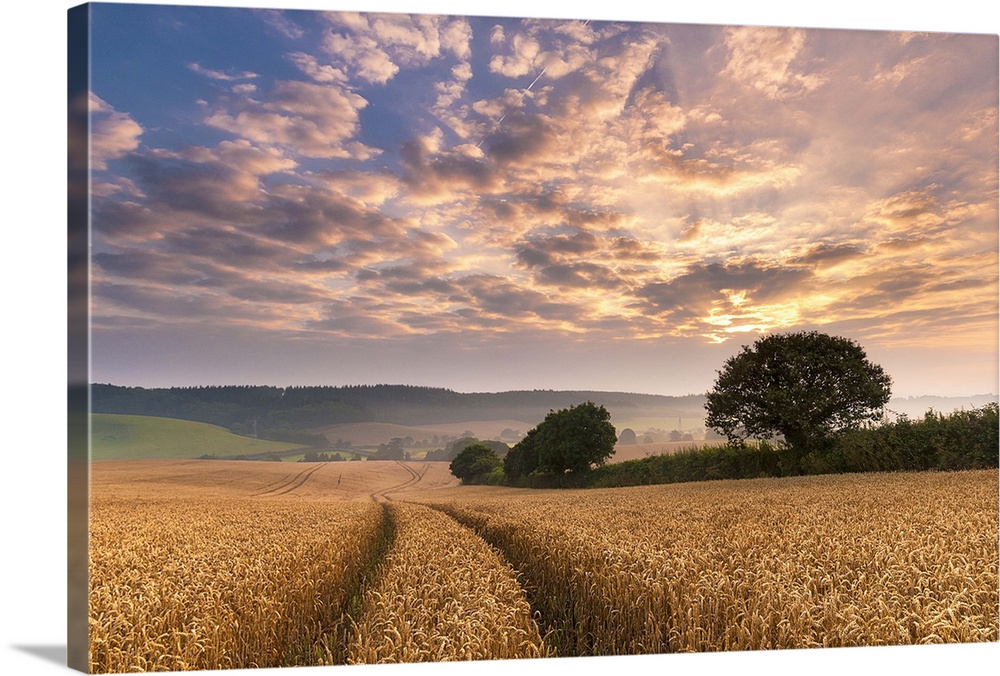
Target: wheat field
x: 204, y: 565
x: 206, y: 584
x: 860, y: 560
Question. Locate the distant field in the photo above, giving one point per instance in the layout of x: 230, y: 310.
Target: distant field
x: 625, y: 452
x: 666, y: 423
x: 372, y: 433
x: 178, y: 480
x: 124, y: 437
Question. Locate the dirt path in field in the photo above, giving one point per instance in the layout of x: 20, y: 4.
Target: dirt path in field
x: 415, y: 477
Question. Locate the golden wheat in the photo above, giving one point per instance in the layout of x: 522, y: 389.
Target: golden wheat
x: 234, y: 565
x: 825, y: 561
x: 442, y: 594
x: 207, y: 584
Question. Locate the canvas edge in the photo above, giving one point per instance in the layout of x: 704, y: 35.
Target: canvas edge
x: 78, y: 335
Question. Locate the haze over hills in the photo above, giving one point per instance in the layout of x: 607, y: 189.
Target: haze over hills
x: 299, y: 408
x: 423, y: 418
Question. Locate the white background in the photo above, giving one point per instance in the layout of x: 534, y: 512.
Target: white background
x: 32, y: 410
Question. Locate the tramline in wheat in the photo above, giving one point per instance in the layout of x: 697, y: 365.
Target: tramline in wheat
x: 442, y: 594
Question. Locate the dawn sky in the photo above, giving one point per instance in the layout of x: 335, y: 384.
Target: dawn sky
x: 292, y: 198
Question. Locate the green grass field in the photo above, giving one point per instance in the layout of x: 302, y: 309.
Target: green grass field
x: 125, y: 437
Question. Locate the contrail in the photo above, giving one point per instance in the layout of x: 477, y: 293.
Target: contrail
x: 537, y: 78
x: 521, y: 98
x: 524, y: 93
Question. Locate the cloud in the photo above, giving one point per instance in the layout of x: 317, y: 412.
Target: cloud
x: 826, y: 255
x: 522, y: 60
x: 372, y: 327
x: 580, y: 275
x: 219, y: 75
x: 151, y: 266
x: 113, y: 134
x: 251, y: 159
x: 125, y: 219
x: 279, y: 22
x: 161, y: 304
x: 188, y: 187
x: 372, y: 188
x: 545, y: 250
x: 318, y: 72
x: 307, y: 119
x: 733, y: 297
x: 434, y: 174
x: 571, y: 119
x: 523, y: 139
x: 447, y: 107
x: 498, y: 298
x: 899, y: 72
x: 237, y: 250
x: 761, y: 58
x: 411, y: 280
x: 456, y: 38
x: 364, y: 56
x: 199, y: 182
x: 376, y: 46
x: 276, y: 293
x: 543, y: 47
x: 305, y: 216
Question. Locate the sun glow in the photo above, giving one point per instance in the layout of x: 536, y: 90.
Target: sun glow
x: 737, y: 315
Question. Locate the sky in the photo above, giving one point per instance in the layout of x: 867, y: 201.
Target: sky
x: 493, y: 203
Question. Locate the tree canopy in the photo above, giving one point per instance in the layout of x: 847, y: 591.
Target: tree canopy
x: 803, y: 386
x: 473, y: 461
x: 522, y: 458
x: 575, y: 438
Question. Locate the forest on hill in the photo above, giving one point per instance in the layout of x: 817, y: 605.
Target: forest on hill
x: 286, y: 413
x: 290, y: 413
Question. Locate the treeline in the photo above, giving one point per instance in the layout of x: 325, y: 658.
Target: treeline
x: 957, y: 441
x: 283, y: 410
x: 275, y: 413
x: 962, y: 440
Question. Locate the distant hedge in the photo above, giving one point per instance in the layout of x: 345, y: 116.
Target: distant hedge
x: 956, y: 441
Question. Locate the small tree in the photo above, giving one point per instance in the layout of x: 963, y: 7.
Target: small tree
x: 391, y: 451
x: 473, y: 461
x: 803, y: 386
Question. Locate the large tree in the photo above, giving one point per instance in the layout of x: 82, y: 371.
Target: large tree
x: 522, y: 458
x: 803, y: 386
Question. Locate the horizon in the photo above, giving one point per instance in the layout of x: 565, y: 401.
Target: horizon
x: 514, y: 391
x: 488, y: 204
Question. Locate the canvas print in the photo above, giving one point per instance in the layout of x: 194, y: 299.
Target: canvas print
x: 403, y: 338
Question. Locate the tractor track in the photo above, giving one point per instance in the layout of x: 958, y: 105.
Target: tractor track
x: 283, y: 487
x: 415, y: 477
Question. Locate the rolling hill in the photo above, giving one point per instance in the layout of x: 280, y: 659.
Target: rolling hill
x: 122, y: 437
